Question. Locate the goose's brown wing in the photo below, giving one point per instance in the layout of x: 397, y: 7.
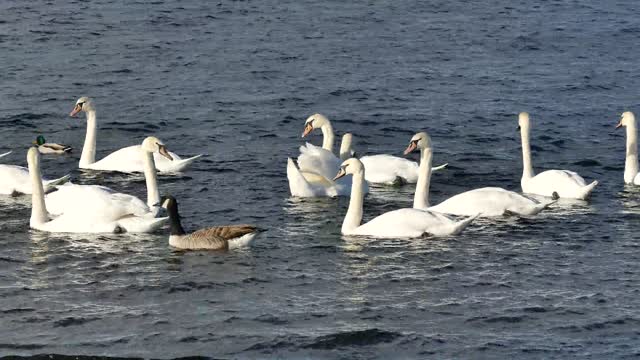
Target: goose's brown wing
x: 219, y: 236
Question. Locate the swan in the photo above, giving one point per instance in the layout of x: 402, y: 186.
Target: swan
x: 79, y: 219
x: 106, y: 200
x: 381, y: 168
x: 15, y: 180
x: 50, y: 148
x: 5, y: 154
x: 567, y: 184
x: 123, y: 160
x: 213, y: 238
x: 487, y: 201
x: 631, y: 175
x: 404, y: 223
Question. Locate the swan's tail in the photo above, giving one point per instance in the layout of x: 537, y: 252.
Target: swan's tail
x: 585, y: 192
x: 49, y: 184
x: 298, y: 185
x: 542, y: 206
x: 179, y: 165
x: 5, y: 154
x: 435, y: 168
x: 462, y: 224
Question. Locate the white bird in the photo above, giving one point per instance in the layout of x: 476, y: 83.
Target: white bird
x: 15, y: 180
x: 123, y: 160
x: 80, y: 219
x: 213, y: 238
x: 566, y: 184
x: 402, y: 223
x: 631, y: 175
x: 381, y: 169
x: 487, y: 201
x: 105, y: 200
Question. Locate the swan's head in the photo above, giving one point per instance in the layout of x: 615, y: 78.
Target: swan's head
x: 315, y: 121
x: 153, y: 144
x: 40, y: 140
x: 420, y: 141
x: 523, y: 121
x: 350, y: 166
x: 627, y: 119
x: 83, y: 104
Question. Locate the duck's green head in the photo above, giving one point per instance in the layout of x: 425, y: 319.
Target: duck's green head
x: 40, y: 140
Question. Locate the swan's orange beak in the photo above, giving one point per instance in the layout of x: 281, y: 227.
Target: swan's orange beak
x: 412, y: 146
x: 163, y: 151
x: 308, y: 128
x: 75, y: 110
x: 619, y: 124
x: 342, y: 172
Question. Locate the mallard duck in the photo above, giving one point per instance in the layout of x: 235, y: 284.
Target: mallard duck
x: 50, y: 148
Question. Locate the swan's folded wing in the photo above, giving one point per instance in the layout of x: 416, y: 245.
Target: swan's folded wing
x: 407, y: 223
x: 316, y: 159
x: 127, y: 159
x: 385, y: 168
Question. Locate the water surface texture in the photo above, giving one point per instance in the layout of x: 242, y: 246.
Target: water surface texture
x: 235, y: 80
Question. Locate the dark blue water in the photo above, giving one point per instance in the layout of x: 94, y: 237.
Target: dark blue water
x: 235, y: 80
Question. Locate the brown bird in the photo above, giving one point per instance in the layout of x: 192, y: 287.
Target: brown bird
x: 213, y: 238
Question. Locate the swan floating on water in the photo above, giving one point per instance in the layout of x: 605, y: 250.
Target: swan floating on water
x: 403, y: 223
x: 81, y: 219
x: 15, y: 180
x: 123, y: 160
x: 213, y: 238
x: 381, y: 169
x: 487, y: 201
x: 631, y: 175
x: 565, y: 183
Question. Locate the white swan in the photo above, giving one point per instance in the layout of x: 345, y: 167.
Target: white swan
x: 213, y: 238
x: 403, y: 223
x: 381, y: 168
x: 566, y: 184
x: 106, y: 201
x: 15, y: 180
x: 488, y: 201
x: 123, y: 160
x: 631, y: 175
x: 80, y: 219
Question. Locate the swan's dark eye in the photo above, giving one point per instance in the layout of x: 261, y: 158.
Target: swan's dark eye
x: 80, y: 104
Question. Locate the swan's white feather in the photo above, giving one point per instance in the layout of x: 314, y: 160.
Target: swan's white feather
x: 567, y: 184
x: 410, y: 223
x: 384, y: 169
x: 489, y: 201
x: 16, y: 179
x: 128, y: 160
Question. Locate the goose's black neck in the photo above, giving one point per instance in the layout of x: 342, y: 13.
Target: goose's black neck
x: 174, y: 218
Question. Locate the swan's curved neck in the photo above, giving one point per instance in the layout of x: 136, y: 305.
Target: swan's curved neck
x: 631, y: 162
x: 421, y: 197
x: 354, y: 214
x: 88, y: 156
x: 327, y: 136
x: 38, y: 207
x: 174, y: 221
x: 345, y: 147
x: 151, y: 178
x: 527, y: 167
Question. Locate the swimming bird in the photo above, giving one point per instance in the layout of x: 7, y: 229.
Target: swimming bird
x: 564, y: 183
x: 631, y: 175
x: 79, y: 219
x: 123, y: 160
x: 402, y: 223
x: 486, y: 201
x: 212, y: 238
x: 50, y: 148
